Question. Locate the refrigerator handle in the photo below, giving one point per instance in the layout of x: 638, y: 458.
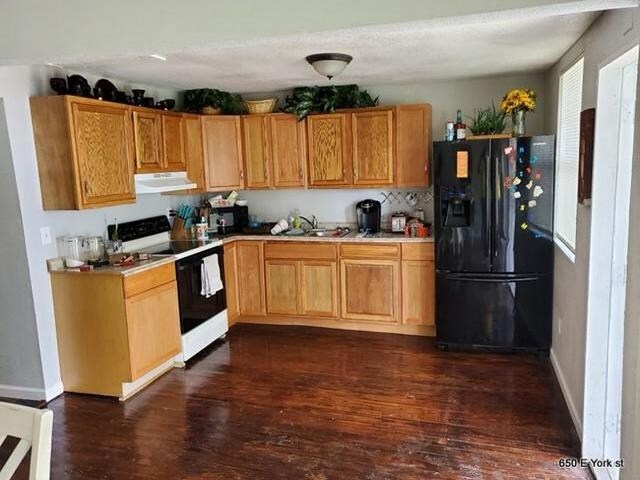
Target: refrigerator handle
x: 488, y: 236
x: 498, y: 183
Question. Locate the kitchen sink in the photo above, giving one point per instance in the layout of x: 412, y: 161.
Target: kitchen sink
x: 327, y: 233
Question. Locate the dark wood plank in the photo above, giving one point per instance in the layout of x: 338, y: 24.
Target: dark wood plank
x: 305, y: 403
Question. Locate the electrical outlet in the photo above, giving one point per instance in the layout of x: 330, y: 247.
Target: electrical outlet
x: 45, y: 235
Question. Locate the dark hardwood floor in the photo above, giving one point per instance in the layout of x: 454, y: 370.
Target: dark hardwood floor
x: 303, y: 403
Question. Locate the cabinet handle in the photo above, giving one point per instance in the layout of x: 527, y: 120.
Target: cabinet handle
x: 355, y: 173
x: 241, y: 175
x: 300, y: 173
x: 86, y: 187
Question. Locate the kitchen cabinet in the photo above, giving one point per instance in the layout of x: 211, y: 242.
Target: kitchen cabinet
x: 173, y: 143
x: 84, y: 149
x: 282, y: 281
x: 193, y: 150
x: 116, y: 332
x: 413, y: 140
x: 251, y: 283
x: 288, y: 150
x: 222, y: 139
x: 418, y: 284
x: 255, y: 140
x: 159, y: 141
x: 302, y: 279
x: 329, y: 150
x: 231, y: 282
x: 370, y: 283
x: 372, y: 133
x: 147, y: 128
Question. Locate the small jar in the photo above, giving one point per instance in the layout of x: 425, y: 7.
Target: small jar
x: 201, y: 229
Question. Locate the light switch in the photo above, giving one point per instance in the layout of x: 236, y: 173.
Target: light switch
x: 45, y: 235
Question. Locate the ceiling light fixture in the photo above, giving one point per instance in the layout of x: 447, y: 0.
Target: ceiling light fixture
x: 158, y: 57
x: 329, y: 64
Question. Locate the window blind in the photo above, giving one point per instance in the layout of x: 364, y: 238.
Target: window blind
x: 570, y: 99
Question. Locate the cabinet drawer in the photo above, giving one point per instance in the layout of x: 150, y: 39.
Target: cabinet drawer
x: 391, y: 250
x: 417, y: 251
x: 148, y: 279
x: 301, y: 251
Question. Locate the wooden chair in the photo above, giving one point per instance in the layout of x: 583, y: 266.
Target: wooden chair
x: 33, y: 427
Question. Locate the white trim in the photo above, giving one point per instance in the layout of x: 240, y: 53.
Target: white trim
x: 54, y: 391
x: 131, y: 388
x: 564, y: 248
x: 573, y: 411
x: 22, y: 393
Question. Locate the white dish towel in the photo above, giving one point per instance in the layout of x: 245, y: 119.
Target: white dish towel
x: 210, y: 276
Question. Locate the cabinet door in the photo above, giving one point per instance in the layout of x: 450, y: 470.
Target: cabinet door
x: 173, y: 143
x: 231, y: 282
x: 256, y: 152
x: 413, y: 137
x: 369, y: 289
x: 193, y: 150
x: 251, y: 278
x: 153, y: 323
x: 372, y: 147
x: 147, y: 128
x: 281, y: 279
x: 319, y: 288
x: 222, y: 152
x: 104, y: 154
x: 329, y: 140
x: 287, y: 151
x: 418, y: 292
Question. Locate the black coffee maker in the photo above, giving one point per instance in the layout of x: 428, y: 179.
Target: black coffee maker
x: 368, y: 215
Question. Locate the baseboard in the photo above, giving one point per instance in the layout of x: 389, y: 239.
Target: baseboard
x: 22, y: 393
x: 577, y: 420
x: 53, y: 391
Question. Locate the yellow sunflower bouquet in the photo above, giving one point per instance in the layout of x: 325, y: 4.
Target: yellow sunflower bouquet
x: 519, y: 99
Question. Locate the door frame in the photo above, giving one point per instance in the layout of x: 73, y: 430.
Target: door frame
x: 608, y: 264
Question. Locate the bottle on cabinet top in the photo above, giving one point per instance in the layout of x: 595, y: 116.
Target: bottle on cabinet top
x: 460, y: 127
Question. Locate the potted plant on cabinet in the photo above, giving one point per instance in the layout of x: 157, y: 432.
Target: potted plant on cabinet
x: 210, y: 101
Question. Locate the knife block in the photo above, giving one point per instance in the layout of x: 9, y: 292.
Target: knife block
x: 178, y: 232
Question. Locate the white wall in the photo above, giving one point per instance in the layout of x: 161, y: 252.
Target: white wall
x: 336, y: 206
x: 612, y: 34
x: 17, y: 84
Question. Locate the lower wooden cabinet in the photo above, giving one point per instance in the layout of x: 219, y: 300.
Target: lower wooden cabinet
x: 418, y: 284
x: 231, y: 282
x: 114, y: 330
x: 154, y: 333
x: 282, y: 286
x: 369, y: 289
x: 251, y: 293
x: 319, y: 288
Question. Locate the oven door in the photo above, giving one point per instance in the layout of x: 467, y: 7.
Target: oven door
x: 196, y: 309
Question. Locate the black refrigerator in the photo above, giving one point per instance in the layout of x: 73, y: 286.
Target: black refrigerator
x: 494, y: 242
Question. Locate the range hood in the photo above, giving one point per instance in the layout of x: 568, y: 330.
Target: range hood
x: 162, y: 182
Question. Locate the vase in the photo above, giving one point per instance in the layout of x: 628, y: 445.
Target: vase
x: 517, y: 120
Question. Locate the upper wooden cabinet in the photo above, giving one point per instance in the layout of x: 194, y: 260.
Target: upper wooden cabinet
x: 329, y: 142
x: 288, y: 142
x: 413, y: 138
x: 147, y: 128
x: 85, y: 152
x: 159, y: 141
x: 173, y: 148
x: 256, y: 151
x: 222, y: 137
x: 193, y: 150
x: 372, y: 147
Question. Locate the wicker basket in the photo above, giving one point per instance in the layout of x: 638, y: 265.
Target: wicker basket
x: 261, y: 106
x: 210, y: 111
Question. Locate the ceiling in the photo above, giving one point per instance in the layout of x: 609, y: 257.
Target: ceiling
x: 456, y: 47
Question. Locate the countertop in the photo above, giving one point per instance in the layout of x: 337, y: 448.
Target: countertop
x: 156, y: 261
x: 383, y: 237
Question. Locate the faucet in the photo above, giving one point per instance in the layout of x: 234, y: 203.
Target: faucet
x: 313, y: 222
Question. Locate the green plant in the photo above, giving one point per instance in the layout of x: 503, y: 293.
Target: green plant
x: 488, y: 121
x: 306, y: 100
x: 228, y: 103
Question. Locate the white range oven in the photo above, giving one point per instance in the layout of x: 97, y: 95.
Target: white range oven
x: 202, y: 319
